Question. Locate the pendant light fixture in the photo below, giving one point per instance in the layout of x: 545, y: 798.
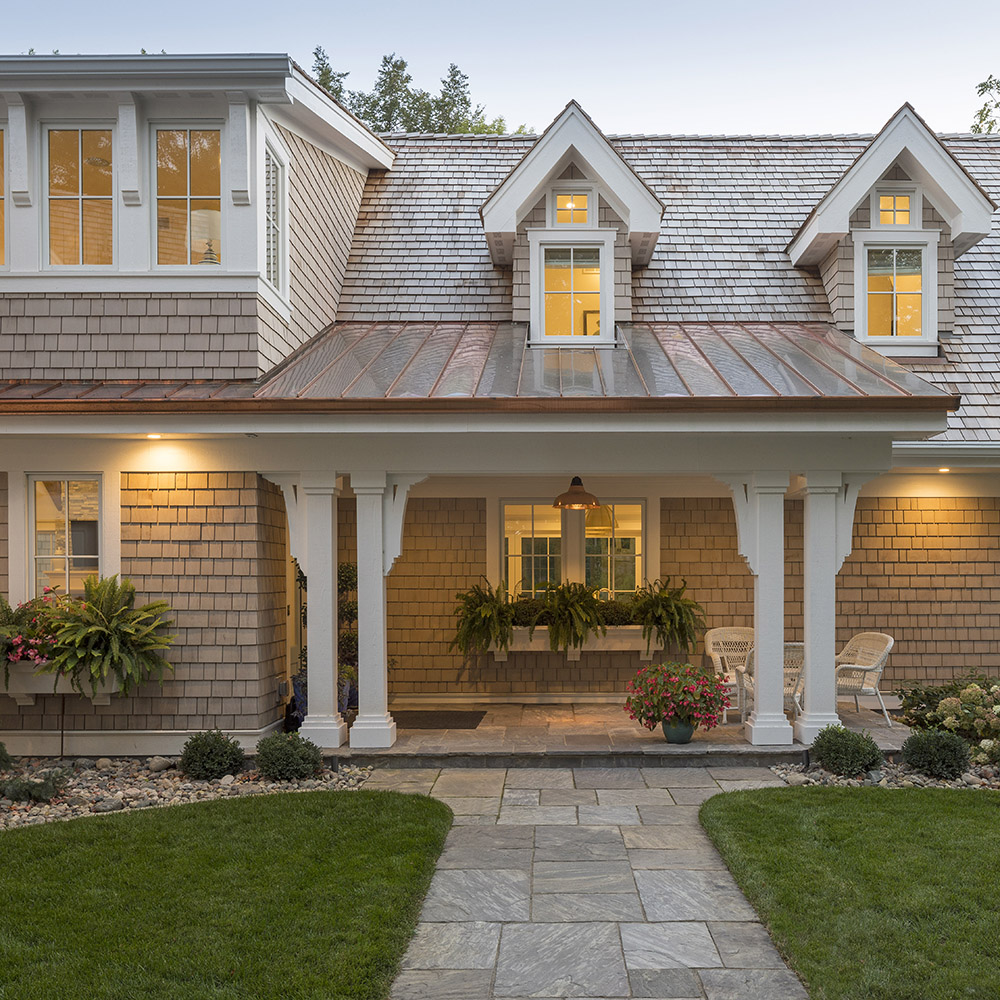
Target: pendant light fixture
x: 576, y: 497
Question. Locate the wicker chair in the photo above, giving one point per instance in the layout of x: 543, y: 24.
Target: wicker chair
x: 794, y: 659
x: 728, y: 648
x: 860, y: 664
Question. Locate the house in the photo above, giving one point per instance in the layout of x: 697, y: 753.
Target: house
x: 236, y: 326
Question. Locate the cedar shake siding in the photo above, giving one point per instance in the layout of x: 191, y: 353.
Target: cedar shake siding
x: 213, y: 545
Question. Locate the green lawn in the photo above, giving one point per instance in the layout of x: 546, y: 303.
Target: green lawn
x: 872, y: 894
x: 283, y: 896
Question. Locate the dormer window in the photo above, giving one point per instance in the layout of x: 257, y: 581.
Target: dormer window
x: 572, y: 209
x: 896, y: 205
x: 893, y: 209
x: 895, y: 300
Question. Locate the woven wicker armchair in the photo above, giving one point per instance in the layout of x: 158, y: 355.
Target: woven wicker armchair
x: 728, y: 648
x: 860, y: 664
x: 794, y: 660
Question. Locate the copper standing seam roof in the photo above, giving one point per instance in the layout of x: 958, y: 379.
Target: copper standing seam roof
x: 485, y: 367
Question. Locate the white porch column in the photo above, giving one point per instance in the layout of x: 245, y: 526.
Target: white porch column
x: 323, y: 723
x: 374, y: 726
x: 759, y: 501
x: 829, y: 518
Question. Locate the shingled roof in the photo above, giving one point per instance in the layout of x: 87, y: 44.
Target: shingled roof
x: 732, y: 205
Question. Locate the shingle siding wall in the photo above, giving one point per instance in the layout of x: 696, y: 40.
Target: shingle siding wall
x: 213, y: 546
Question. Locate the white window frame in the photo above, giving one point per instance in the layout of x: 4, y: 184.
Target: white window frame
x: 897, y: 188
x: 280, y: 158
x: 574, y: 536
x: 4, y: 169
x: 573, y: 187
x: 78, y: 125
x: 898, y: 237
x: 208, y: 125
x: 35, y: 477
x: 570, y: 236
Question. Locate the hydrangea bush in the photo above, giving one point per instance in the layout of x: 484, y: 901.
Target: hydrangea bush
x: 676, y: 692
x: 974, y: 714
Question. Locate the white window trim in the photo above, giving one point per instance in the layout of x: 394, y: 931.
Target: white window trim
x: 77, y: 125
x: 5, y: 170
x: 604, y: 240
x: 573, y: 187
x: 889, y: 237
x: 214, y: 124
x: 574, y: 535
x: 897, y: 188
x: 277, y: 150
x: 34, y: 477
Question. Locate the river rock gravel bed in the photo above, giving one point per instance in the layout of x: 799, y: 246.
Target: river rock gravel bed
x: 113, y: 785
x: 888, y: 775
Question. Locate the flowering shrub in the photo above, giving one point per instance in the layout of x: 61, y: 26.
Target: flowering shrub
x: 988, y: 752
x: 27, y: 632
x: 974, y: 714
x: 676, y: 692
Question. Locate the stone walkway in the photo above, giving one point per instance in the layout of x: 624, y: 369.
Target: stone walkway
x: 591, y: 883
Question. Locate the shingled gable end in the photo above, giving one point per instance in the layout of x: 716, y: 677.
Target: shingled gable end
x: 396, y: 350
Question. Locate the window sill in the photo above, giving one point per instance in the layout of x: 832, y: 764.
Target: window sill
x: 894, y: 349
x: 619, y: 639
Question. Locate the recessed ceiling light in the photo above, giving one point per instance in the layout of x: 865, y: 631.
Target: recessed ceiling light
x: 154, y: 437
x: 944, y: 468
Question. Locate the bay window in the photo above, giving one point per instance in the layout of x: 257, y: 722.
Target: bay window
x: 188, y: 196
x: 80, y: 197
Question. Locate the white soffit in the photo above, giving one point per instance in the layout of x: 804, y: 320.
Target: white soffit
x: 905, y: 139
x: 572, y: 138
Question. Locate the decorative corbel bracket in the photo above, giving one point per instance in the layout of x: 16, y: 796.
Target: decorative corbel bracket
x: 239, y: 147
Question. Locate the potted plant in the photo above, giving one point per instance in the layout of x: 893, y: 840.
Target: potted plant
x: 677, y: 696
x: 667, y: 615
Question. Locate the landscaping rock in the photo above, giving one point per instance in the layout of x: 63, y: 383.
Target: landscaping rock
x: 157, y: 764
x: 83, y: 763
x: 108, y: 805
x: 890, y: 775
x: 795, y: 778
x: 103, y: 764
x: 226, y: 779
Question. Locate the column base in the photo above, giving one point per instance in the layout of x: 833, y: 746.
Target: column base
x: 326, y: 731
x: 769, y: 730
x: 807, y: 727
x: 373, y: 731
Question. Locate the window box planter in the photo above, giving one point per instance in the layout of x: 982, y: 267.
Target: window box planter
x: 25, y: 685
x: 619, y: 639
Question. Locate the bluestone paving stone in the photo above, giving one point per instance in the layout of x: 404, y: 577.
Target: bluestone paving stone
x: 669, y: 945
x: 478, y: 895
x: 579, y: 843
x: 670, y: 815
x: 500, y: 837
x: 468, y: 806
x: 691, y: 895
x: 442, y: 984
x: 524, y: 797
x: 539, y: 777
x: 609, y: 815
x: 705, y: 858
x: 582, y: 876
x: 470, y: 781
x: 466, y: 945
x: 678, y: 777
x: 745, y: 946
x: 665, y: 984
x: 751, y: 783
x: 557, y: 907
x: 608, y: 777
x: 752, y: 984
x: 561, y: 960
x: 665, y: 838
x: 740, y: 773
x: 634, y: 797
x: 693, y: 796
x: 488, y: 857
x: 533, y: 815
x: 568, y: 797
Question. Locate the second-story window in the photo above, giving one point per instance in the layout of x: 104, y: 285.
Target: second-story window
x: 572, y: 291
x: 894, y: 209
x: 895, y: 293
x: 572, y: 209
x: 274, y: 222
x: 188, y: 196
x: 80, y: 200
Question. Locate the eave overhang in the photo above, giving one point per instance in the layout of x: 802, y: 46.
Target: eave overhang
x: 948, y: 186
x: 572, y: 138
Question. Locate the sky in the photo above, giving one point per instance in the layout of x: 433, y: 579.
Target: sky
x: 708, y: 67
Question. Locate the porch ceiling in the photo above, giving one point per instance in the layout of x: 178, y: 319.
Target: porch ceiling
x: 484, y: 367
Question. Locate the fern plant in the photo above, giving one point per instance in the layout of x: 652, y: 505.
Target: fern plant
x: 572, y: 612
x: 666, y: 614
x: 104, y: 634
x: 485, y: 619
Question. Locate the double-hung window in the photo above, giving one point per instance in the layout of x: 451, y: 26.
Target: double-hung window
x: 64, y: 522
x: 188, y: 196
x: 80, y: 196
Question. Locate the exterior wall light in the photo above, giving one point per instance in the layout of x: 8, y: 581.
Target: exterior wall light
x: 576, y: 497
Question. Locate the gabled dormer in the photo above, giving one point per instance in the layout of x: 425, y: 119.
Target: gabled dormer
x: 885, y: 237
x: 571, y: 220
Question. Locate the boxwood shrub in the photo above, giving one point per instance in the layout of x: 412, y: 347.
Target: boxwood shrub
x: 206, y: 756
x: 288, y: 757
x: 6, y: 761
x: 936, y: 753
x: 844, y: 752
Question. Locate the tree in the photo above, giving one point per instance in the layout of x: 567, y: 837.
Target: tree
x: 395, y: 105
x: 986, y: 119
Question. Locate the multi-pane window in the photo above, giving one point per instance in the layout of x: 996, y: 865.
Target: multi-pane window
x: 571, y: 209
x: 895, y: 299
x: 613, y: 548
x: 188, y: 196
x: 572, y: 290
x: 3, y: 204
x: 65, y: 532
x: 894, y: 209
x: 273, y: 221
x: 532, y: 537
x: 80, y: 197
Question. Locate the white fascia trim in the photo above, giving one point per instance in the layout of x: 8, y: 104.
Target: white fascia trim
x: 571, y: 138
x: 182, y: 279
x: 905, y: 138
x: 571, y: 236
x: 964, y: 453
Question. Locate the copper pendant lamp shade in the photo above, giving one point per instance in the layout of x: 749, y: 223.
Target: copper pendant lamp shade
x: 576, y: 497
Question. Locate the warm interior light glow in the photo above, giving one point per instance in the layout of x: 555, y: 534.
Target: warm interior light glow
x: 944, y: 468
x: 576, y: 497
x: 154, y: 437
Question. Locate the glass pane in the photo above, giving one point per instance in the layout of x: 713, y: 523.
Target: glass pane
x: 64, y: 161
x: 171, y: 232
x: 628, y: 520
x: 908, y: 315
x: 64, y: 232
x: 597, y: 572
x: 205, y: 164
x: 50, y: 573
x: 558, y: 315
x: 902, y: 203
x: 3, y: 229
x: 580, y: 209
x: 79, y: 570
x: 548, y: 521
x: 908, y: 262
x: 2, y: 161
x: 586, y: 273
x: 907, y: 282
x: 624, y: 574
x: 880, y: 261
x: 886, y: 218
x: 902, y: 218
x: 879, y: 315
x: 558, y: 270
x: 50, y: 518
x: 97, y: 236
x: 171, y: 162
x: 587, y: 315
x: 97, y: 162
x: 885, y: 202
x: 84, y: 508
x: 206, y: 230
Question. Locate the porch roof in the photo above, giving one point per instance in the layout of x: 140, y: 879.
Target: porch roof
x: 488, y: 366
